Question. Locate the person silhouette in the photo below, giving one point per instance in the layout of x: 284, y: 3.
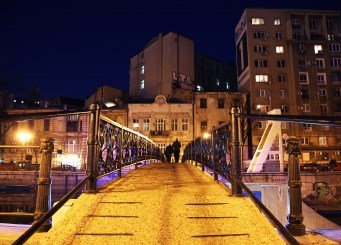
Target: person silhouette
x: 169, y: 152
x: 176, y: 149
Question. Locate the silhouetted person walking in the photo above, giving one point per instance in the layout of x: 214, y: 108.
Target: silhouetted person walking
x: 169, y: 152
x: 176, y: 149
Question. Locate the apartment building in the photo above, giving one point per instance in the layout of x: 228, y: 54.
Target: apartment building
x: 290, y: 59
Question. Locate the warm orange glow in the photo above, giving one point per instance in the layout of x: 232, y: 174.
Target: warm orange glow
x: 24, y: 136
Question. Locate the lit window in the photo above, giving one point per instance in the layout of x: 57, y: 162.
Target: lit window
x: 284, y: 109
x: 325, y: 128
x: 218, y: 82
x: 277, y: 22
x: 14, y: 101
x: 257, y: 21
x: 71, y: 146
x: 318, y: 49
x: 184, y: 125
x: 136, y: 123
x: 199, y: 88
x: 227, y: 85
x: 282, y: 78
x: 322, y: 140
x: 146, y: 124
x: 160, y: 124
x: 174, y: 124
x: 22, y: 102
x: 279, y: 49
x: 142, y: 84
x: 262, y: 78
x: 142, y: 69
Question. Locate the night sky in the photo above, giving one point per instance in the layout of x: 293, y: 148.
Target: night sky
x: 68, y: 48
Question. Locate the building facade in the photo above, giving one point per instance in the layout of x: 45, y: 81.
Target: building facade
x: 164, y: 67
x: 291, y: 60
x: 162, y: 121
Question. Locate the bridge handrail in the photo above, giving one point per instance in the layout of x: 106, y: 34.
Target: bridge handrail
x: 282, y: 230
x: 35, y: 226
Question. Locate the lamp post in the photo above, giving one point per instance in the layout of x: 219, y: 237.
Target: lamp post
x: 24, y: 138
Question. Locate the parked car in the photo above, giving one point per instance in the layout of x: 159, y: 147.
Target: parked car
x: 314, y: 167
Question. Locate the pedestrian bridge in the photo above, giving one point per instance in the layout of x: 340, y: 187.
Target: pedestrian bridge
x: 162, y: 203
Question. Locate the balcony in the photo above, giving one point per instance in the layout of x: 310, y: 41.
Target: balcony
x: 159, y: 133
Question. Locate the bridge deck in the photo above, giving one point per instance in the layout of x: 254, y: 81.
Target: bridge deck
x: 164, y: 203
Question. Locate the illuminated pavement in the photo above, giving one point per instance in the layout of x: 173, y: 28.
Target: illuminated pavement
x: 164, y: 204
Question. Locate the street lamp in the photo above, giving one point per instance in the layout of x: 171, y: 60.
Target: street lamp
x: 24, y: 137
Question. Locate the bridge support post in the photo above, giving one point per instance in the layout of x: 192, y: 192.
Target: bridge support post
x: 235, y: 143
x: 43, y: 202
x: 93, y: 158
x: 295, y: 218
x: 213, y: 156
x: 119, y: 172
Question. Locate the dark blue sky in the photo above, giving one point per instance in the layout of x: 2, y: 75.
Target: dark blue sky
x: 69, y: 47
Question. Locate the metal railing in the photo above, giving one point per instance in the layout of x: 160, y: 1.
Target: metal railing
x: 111, y: 147
x: 222, y: 153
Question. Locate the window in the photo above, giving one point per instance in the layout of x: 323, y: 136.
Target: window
x: 324, y: 109
x: 284, y: 109
x: 262, y: 78
x: 259, y: 35
x: 221, y: 103
x: 319, y: 63
x: 162, y: 146
x: 261, y: 63
x: 277, y: 22
x: 301, y: 63
x: 296, y: 35
x: 312, y: 24
x: 282, y: 78
x: 174, y: 124
x: 322, y: 93
x: 146, y: 124
x: 71, y: 126
x: 199, y: 88
x: 31, y: 124
x: 260, y: 49
x: 304, y: 94
x: 329, y: 24
x: 279, y: 49
x: 278, y: 35
x: 321, y: 78
x: 262, y: 93
x: 203, y: 126
x: 281, y: 63
x: 305, y: 140
x: 301, y: 48
x: 136, y: 123
x: 203, y: 103
x: 318, y: 49
x: 335, y: 62
x: 227, y: 85
x: 184, y: 124
x: 142, y: 69
x: 160, y: 124
x: 47, y: 123
x: 303, y: 78
x: 330, y: 37
x: 323, y: 140
x: 336, y: 76
x: 283, y: 93
x: 218, y: 82
x: 71, y: 146
x: 325, y: 128
x: 142, y: 84
x: 261, y: 124
x: 295, y: 22
x: 334, y: 47
x: 337, y: 92
x: 257, y: 21
x: 306, y: 127
x: 306, y: 108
